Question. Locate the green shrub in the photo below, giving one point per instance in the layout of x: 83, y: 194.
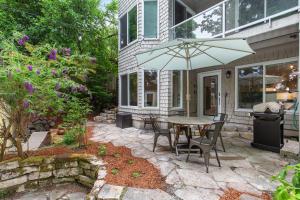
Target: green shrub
x: 4, y: 194
x: 136, y: 174
x: 115, y: 171
x: 288, y: 190
x: 130, y: 162
x: 102, y: 150
x: 69, y: 137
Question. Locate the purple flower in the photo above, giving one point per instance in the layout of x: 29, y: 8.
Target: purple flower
x: 21, y: 42
x: 26, y: 104
x: 28, y: 86
x: 53, y: 72
x: 52, y: 55
x: 25, y: 38
x: 38, y: 72
x: 82, y: 88
x: 29, y: 67
x: 57, y: 86
x: 66, y: 51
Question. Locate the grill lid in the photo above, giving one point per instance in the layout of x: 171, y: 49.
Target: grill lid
x: 269, y: 107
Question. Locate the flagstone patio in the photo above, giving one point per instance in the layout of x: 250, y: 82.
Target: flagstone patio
x: 243, y: 167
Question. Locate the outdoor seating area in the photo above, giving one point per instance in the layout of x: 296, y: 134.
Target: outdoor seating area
x: 243, y: 167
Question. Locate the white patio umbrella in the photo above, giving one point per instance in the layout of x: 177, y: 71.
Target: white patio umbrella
x: 189, y: 54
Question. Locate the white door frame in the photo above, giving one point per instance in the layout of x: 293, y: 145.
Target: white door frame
x: 200, y: 77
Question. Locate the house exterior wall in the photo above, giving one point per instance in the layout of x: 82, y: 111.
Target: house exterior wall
x: 127, y: 64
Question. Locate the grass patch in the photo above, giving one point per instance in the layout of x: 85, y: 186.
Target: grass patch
x: 117, y: 155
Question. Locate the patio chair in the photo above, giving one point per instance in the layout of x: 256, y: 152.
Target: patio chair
x: 216, y: 118
x: 207, y: 144
x: 159, y: 132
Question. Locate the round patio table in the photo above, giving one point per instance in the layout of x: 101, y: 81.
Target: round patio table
x: 187, y: 121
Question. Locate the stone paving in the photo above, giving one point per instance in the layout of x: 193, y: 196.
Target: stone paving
x: 243, y: 167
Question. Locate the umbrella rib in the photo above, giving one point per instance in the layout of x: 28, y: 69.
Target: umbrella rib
x: 151, y: 58
x: 170, y: 60
x: 191, y: 55
x: 198, y: 54
x: 173, y: 50
x: 211, y: 56
x: 228, y: 48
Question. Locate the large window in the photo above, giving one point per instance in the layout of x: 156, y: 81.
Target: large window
x: 133, y: 89
x: 150, y: 89
x: 250, y: 84
x: 281, y: 83
x: 274, y: 81
x: 124, y: 90
x: 177, y: 89
x: 128, y: 27
x: 129, y: 89
x: 181, y: 12
x: 150, y: 18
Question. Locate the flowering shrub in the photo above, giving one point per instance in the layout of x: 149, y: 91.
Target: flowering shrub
x: 39, y: 81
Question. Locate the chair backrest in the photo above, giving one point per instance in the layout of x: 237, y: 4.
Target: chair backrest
x: 154, y: 124
x: 220, y: 117
x: 218, y: 127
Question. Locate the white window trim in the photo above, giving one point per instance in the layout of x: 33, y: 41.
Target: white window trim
x: 143, y: 24
x: 128, y: 90
x: 188, y: 9
x: 181, y: 91
x: 137, y: 27
x: 263, y: 64
x: 143, y: 90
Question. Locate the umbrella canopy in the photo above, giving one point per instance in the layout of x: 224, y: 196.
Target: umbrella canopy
x: 189, y: 54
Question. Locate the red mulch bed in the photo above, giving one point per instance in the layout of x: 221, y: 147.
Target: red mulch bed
x: 116, y: 157
x: 232, y: 194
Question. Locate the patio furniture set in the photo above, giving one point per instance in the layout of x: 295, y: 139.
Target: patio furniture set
x: 201, y: 139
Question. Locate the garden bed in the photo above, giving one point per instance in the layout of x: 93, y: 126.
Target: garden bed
x: 122, y: 168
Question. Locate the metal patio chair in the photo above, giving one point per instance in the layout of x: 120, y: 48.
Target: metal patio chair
x: 206, y: 144
x: 159, y: 132
x: 220, y: 117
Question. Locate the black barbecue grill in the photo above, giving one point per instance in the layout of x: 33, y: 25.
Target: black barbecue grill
x: 268, y: 130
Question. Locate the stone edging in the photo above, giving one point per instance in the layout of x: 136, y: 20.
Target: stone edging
x: 18, y: 175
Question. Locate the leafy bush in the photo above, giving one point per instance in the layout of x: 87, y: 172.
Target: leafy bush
x: 288, y: 190
x: 102, y: 150
x: 69, y: 137
x: 136, y: 174
x: 115, y: 171
x: 130, y: 162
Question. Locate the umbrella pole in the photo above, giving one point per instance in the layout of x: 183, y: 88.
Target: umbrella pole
x: 188, y: 97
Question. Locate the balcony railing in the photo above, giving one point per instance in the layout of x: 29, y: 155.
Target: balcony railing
x: 232, y: 15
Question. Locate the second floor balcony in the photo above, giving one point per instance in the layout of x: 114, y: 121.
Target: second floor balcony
x: 227, y: 17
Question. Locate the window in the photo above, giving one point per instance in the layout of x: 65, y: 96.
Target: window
x: 133, y: 92
x: 281, y: 83
x: 129, y: 92
x: 128, y: 27
x: 123, y: 31
x: 150, y: 18
x: 274, y: 81
x: 124, y: 90
x: 250, y: 84
x: 181, y: 12
x: 150, y: 88
x: 132, y: 25
x: 177, y: 89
